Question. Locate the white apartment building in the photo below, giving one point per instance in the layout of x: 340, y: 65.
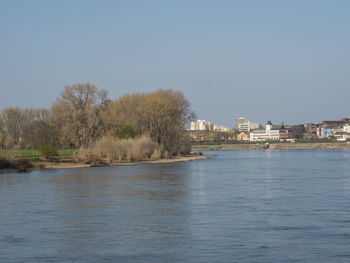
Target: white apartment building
x: 203, y: 125
x: 258, y: 135
x: 270, y: 133
x: 346, y: 128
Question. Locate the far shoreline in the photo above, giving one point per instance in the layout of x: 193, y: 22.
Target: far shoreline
x: 273, y: 146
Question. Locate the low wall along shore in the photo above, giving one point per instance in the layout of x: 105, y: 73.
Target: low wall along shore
x: 275, y: 146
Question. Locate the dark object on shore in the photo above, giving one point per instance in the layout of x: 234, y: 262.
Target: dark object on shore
x: 200, y: 153
x: 21, y: 165
x: 4, y: 164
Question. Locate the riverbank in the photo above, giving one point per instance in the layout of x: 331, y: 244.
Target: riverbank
x: 274, y: 146
x: 68, y: 165
x: 72, y: 164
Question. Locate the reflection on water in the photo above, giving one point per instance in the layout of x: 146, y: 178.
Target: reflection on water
x: 241, y: 206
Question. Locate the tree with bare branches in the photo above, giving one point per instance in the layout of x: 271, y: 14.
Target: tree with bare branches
x: 12, y: 126
x: 162, y: 115
x: 78, y: 113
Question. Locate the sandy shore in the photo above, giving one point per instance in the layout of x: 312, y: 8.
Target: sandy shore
x: 67, y: 165
x: 277, y: 146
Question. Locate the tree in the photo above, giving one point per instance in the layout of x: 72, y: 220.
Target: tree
x: 36, y: 128
x: 78, y: 113
x: 39, y: 133
x: 165, y: 114
x: 162, y: 115
x: 1, y: 135
x: 127, y: 131
x: 12, y: 126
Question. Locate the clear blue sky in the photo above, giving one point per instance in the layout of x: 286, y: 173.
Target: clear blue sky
x: 280, y: 60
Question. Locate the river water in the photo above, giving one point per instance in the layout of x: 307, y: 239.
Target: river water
x: 240, y: 206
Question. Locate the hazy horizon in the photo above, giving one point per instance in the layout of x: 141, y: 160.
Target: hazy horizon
x: 266, y: 60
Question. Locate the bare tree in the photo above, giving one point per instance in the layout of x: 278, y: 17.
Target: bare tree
x: 11, y: 120
x: 78, y: 113
x: 162, y: 115
x: 1, y: 134
x: 37, y: 129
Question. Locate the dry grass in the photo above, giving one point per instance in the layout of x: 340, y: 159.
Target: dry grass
x: 110, y: 149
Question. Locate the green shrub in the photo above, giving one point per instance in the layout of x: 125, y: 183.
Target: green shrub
x: 127, y: 131
x: 49, y: 152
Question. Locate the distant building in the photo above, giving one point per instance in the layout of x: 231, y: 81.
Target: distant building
x: 220, y: 128
x: 258, y: 135
x: 243, y: 124
x: 203, y: 125
x: 346, y: 128
x: 239, y: 121
x: 337, y: 123
x: 311, y: 130
x: 342, y: 136
x: 330, y: 128
x: 293, y: 132
x: 286, y: 133
x: 243, y: 136
x: 326, y: 132
x: 346, y: 120
x: 270, y: 133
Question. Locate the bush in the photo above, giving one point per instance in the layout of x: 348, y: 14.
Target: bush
x: 111, y: 149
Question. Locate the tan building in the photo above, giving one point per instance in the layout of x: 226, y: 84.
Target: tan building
x: 243, y: 136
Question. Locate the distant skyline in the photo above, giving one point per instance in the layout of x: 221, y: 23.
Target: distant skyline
x: 266, y: 60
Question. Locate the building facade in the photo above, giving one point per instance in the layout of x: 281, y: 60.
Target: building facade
x: 270, y: 133
x: 201, y: 125
x: 243, y: 124
x: 243, y: 136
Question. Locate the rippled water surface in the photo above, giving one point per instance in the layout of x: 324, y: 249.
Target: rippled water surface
x: 240, y: 206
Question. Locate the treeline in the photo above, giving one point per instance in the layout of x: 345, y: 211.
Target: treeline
x: 83, y: 115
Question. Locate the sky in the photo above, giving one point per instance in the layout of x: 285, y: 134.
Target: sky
x: 267, y: 60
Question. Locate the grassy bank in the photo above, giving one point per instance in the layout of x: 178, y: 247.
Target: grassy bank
x: 33, y: 154
x: 107, y: 151
x: 24, y: 160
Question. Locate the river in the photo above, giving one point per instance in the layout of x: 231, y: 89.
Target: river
x: 239, y: 206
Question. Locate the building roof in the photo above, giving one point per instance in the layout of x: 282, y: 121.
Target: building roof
x: 333, y: 122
